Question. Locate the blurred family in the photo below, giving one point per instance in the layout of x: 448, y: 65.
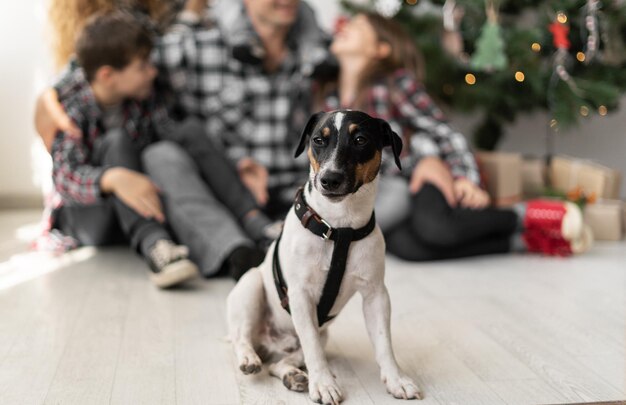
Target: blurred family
x: 173, y: 125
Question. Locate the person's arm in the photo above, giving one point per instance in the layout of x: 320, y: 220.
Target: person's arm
x: 418, y: 112
x: 434, y: 142
x: 50, y: 117
x: 79, y: 181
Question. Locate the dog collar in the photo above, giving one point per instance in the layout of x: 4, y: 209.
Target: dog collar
x: 342, y: 238
x: 316, y: 224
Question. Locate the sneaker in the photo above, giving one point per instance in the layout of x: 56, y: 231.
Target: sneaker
x: 170, y: 265
x: 555, y: 228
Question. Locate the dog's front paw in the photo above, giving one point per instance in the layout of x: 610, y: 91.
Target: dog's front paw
x: 324, y: 389
x: 402, y: 387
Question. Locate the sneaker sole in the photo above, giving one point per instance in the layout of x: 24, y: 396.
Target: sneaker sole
x: 174, y: 273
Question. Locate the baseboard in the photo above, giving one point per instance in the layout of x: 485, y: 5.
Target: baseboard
x: 20, y: 201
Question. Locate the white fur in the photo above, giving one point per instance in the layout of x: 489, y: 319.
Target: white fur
x: 254, y: 308
x: 338, y: 119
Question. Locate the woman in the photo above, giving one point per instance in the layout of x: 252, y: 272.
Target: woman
x: 435, y: 208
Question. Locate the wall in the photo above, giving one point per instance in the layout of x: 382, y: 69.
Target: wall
x: 22, y: 74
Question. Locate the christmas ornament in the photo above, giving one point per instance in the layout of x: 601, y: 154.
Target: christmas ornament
x: 451, y: 38
x: 489, y: 55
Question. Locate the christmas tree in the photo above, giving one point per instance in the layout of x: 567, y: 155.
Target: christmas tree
x: 566, y: 57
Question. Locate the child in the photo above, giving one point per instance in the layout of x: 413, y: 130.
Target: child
x: 436, y: 208
x: 104, y: 196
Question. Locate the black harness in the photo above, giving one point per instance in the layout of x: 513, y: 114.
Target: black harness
x: 342, y: 237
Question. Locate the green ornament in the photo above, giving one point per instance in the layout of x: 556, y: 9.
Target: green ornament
x: 489, y: 55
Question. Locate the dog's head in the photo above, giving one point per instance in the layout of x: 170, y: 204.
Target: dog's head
x: 345, y: 149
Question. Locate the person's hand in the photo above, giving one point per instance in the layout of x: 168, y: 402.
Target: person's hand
x: 433, y: 170
x: 135, y: 190
x: 50, y: 117
x: 469, y: 195
x: 196, y: 6
x: 254, y: 176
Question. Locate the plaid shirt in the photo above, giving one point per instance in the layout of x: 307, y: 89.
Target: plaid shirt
x: 75, y: 174
x: 410, y: 111
x: 252, y: 112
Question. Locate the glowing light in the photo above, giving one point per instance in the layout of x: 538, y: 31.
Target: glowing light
x: 470, y: 79
x: 584, y: 111
x: 561, y: 17
x: 602, y: 110
x: 536, y: 47
x: 580, y: 56
x: 519, y: 76
x: 411, y: 2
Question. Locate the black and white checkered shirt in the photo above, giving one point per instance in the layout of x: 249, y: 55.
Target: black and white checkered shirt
x: 254, y: 113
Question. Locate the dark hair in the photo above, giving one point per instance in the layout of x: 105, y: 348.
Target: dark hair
x: 113, y: 39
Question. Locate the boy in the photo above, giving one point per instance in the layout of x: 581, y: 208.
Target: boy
x: 108, y: 95
x: 104, y: 197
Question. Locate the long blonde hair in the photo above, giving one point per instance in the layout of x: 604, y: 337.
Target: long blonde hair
x: 403, y: 54
x: 68, y: 17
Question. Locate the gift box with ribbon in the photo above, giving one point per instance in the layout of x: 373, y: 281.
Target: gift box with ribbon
x: 594, y: 180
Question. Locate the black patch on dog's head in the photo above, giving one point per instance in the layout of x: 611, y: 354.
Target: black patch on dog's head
x: 345, y: 149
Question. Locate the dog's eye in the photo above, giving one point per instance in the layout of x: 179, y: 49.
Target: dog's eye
x: 360, y: 140
x: 319, y: 141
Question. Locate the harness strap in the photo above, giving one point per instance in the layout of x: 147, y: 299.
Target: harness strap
x: 342, y: 238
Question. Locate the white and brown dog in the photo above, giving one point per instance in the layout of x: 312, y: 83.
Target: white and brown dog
x: 277, y: 309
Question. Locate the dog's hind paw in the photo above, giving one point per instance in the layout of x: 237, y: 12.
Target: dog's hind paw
x: 402, y: 387
x: 250, y: 364
x: 296, y: 380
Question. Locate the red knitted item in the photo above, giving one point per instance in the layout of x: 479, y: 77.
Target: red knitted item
x: 543, y: 222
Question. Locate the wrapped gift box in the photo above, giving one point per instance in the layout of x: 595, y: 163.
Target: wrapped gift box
x: 533, y: 177
x: 502, y: 174
x: 567, y: 174
x: 606, y: 219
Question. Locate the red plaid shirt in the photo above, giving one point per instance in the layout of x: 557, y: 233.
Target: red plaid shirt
x: 75, y: 175
x: 404, y: 103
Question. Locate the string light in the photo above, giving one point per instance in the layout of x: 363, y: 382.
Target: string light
x: 470, y: 79
x: 580, y: 56
x: 536, y: 47
x: 519, y: 76
x: 411, y: 2
x: 561, y: 17
x: 602, y: 110
x: 584, y: 111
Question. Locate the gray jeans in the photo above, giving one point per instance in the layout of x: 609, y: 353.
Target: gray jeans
x: 199, y: 220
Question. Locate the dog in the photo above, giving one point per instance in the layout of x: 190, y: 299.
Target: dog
x: 275, y: 314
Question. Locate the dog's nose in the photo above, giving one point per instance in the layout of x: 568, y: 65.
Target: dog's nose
x: 332, y: 180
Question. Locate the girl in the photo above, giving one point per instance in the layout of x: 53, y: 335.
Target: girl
x: 435, y: 208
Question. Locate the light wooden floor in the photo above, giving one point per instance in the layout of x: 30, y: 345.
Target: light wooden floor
x: 90, y: 328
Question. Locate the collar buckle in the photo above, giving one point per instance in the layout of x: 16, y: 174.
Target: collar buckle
x: 326, y: 235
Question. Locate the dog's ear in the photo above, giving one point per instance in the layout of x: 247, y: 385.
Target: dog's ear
x: 306, y: 133
x: 392, y: 139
